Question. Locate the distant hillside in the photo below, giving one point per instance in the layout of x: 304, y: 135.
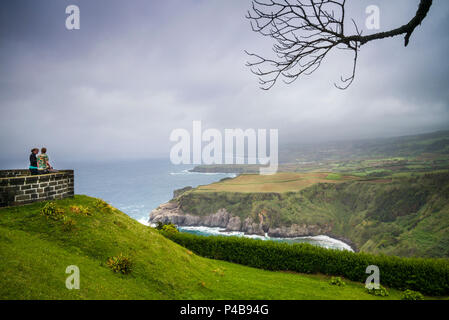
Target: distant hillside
x: 406, y: 146
x: 405, y: 215
x: 420, y: 152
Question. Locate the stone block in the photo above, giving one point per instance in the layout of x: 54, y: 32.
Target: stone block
x: 44, y: 178
x: 23, y: 197
x: 16, y: 181
x: 4, y: 181
x: 31, y: 179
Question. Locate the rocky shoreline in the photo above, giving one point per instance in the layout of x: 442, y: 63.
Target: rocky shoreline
x: 170, y: 212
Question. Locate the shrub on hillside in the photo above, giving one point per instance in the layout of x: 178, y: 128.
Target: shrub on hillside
x: 120, y: 264
x: 430, y: 276
x: 100, y: 203
x: 168, y: 227
x: 81, y: 210
x: 380, y: 292
x: 51, y: 211
x: 337, y: 281
x: 411, y: 295
x: 103, y: 206
x: 171, y: 228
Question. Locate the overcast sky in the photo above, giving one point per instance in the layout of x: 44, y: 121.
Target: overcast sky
x: 138, y: 69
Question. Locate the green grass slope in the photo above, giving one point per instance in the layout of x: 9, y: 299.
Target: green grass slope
x: 35, y: 251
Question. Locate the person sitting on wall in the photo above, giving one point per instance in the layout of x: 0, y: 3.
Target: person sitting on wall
x: 43, y: 164
x: 33, y: 161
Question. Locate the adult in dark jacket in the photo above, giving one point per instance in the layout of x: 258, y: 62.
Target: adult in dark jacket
x: 33, y: 161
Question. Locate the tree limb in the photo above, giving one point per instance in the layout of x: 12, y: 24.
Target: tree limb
x: 305, y: 31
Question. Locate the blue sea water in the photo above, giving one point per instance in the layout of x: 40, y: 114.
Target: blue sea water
x: 138, y: 186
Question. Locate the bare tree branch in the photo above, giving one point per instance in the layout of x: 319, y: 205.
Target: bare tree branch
x: 305, y: 31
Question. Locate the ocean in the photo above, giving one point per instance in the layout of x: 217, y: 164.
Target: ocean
x: 138, y: 186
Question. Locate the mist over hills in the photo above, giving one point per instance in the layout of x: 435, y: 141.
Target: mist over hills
x: 403, y: 146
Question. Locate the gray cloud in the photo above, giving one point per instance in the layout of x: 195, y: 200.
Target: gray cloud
x: 137, y: 70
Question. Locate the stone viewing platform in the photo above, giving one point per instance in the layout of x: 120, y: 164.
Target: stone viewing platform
x: 18, y: 187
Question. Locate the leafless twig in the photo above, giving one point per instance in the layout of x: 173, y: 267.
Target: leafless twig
x: 305, y: 31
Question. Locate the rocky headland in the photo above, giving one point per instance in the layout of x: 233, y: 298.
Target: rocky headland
x: 171, y: 212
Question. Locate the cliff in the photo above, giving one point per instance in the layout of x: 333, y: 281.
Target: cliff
x: 172, y: 213
x: 404, y: 216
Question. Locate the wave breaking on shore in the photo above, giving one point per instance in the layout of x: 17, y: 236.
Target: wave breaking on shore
x: 320, y: 240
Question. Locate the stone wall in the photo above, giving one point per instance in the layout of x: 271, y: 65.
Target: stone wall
x: 18, y: 187
x: 14, y: 173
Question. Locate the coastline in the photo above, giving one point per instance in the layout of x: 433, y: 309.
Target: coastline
x: 226, y: 168
x: 320, y: 240
x: 227, y: 223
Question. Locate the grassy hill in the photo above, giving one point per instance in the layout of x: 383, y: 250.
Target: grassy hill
x: 35, y: 251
